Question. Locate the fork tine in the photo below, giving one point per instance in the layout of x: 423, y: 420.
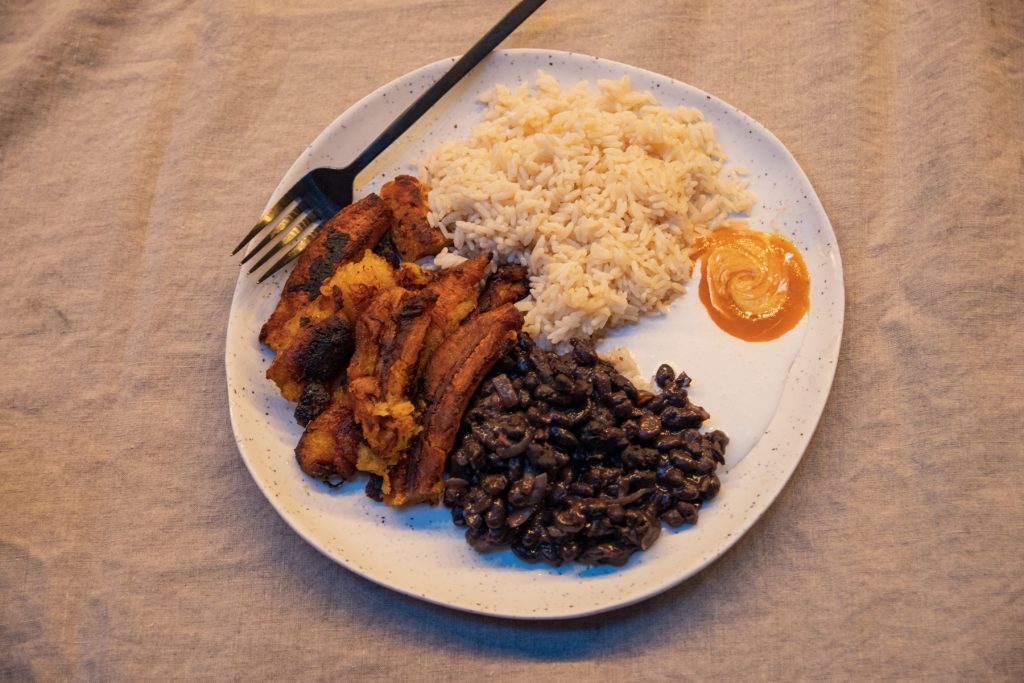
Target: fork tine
x: 267, y: 219
x: 292, y: 234
x: 275, y: 231
x: 291, y: 255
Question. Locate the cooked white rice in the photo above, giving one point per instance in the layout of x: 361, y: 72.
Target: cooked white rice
x: 599, y: 194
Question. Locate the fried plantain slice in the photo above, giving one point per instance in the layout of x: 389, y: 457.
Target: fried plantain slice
x: 318, y: 353
x: 348, y: 234
x: 457, y: 290
x: 507, y: 285
x: 387, y: 250
x: 319, y: 339
x: 330, y: 446
x: 389, y: 338
x: 413, y: 235
x: 451, y: 378
x: 355, y: 284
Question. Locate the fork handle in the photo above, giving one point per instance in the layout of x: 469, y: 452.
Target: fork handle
x: 429, y: 98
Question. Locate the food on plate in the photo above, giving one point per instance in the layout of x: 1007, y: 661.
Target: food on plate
x: 457, y: 290
x: 451, y: 377
x: 398, y: 349
x: 347, y: 234
x: 565, y: 213
x: 353, y: 285
x: 414, y: 237
x: 330, y: 446
x: 600, y: 195
x: 508, y: 284
x: 562, y: 459
x: 314, y: 355
x: 389, y: 338
x: 754, y: 285
x: 352, y: 355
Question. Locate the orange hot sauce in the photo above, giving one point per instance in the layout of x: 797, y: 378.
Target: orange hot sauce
x: 754, y: 285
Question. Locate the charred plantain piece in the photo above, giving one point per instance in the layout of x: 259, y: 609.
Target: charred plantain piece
x: 314, y: 400
x: 330, y: 446
x: 509, y: 284
x: 389, y: 338
x: 413, y: 235
x: 348, y: 234
x: 318, y: 353
x: 452, y: 376
x: 318, y: 341
x: 457, y: 289
x: 387, y: 250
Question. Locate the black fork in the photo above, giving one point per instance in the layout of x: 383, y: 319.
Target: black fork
x: 324, y: 191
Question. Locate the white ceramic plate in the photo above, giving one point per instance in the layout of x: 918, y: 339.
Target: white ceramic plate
x: 766, y: 396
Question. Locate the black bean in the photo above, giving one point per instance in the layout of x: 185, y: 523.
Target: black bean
x: 495, y: 516
x: 688, y: 511
x: 640, y: 479
x: 525, y: 553
x: 456, y: 483
x: 571, y: 418
x: 545, y: 393
x: 669, y: 442
x: 496, y: 537
x: 494, y: 484
x: 563, y: 383
x: 549, y: 553
x: 542, y: 456
x: 621, y: 406
x: 571, y: 520
x: 539, y: 415
x: 564, y: 438
x: 584, y: 352
x: 581, y: 489
x: 674, y: 418
x: 616, y: 513
x: 474, y: 520
x: 515, y: 468
x: 649, y: 430
x: 569, y: 551
x: 519, y: 517
x: 664, y: 375
x: 476, y: 501
x: 672, y: 477
x: 672, y: 518
x: 624, y: 385
x: 690, y: 464
x: 709, y: 486
x: 661, y: 500
x: 675, y: 398
x: 602, y: 384
x: 643, y: 398
x: 532, y: 535
x: 505, y: 391
x: 538, y: 489
x: 520, y: 492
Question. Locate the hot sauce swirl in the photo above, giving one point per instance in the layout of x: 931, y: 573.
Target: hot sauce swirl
x: 754, y: 285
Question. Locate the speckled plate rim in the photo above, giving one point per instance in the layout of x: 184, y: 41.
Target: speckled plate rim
x: 789, y: 431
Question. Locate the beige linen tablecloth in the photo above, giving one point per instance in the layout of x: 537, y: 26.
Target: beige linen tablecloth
x: 137, y: 141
